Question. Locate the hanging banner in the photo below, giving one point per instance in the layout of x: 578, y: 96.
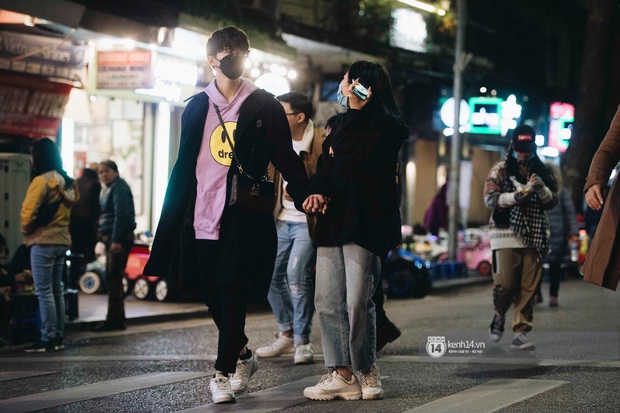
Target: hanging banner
x: 31, y: 106
x: 125, y: 69
x: 41, y: 56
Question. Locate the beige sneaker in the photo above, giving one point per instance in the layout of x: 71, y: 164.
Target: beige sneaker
x: 221, y: 390
x: 304, y: 354
x: 245, y: 369
x: 371, y: 383
x: 281, y: 345
x: 334, y: 386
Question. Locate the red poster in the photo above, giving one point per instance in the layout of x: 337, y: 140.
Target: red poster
x: 31, y: 106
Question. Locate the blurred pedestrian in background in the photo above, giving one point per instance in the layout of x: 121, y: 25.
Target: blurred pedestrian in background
x: 602, y: 265
x: 200, y: 234
x: 291, y: 294
x: 564, y: 230
x: 45, y: 218
x: 116, y: 224
x: 84, y: 216
x: 436, y: 216
x: 518, y: 189
x: 356, y: 172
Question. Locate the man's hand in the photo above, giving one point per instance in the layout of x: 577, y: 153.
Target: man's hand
x: 594, y: 197
x: 523, y: 195
x: 315, y: 203
x: 536, y: 182
x: 116, y: 248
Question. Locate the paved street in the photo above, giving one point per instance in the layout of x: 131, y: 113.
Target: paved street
x: 165, y: 367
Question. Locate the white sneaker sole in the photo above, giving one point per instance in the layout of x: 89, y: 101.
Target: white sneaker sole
x: 224, y: 399
x: 267, y: 354
x: 376, y: 394
x: 321, y: 395
x: 529, y: 346
x: 304, y: 360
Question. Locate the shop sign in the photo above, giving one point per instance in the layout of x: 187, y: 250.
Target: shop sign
x: 41, y: 56
x: 561, y: 118
x: 31, y: 106
x: 485, y: 115
x: 130, y: 69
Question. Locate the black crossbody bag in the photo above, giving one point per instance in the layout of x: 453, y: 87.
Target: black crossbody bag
x: 246, y: 191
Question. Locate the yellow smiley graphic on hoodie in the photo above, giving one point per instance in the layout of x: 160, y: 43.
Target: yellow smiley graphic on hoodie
x: 220, y: 148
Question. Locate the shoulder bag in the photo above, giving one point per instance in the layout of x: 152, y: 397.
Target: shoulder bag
x: 247, y: 192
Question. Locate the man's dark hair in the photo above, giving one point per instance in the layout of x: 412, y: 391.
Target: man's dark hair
x: 227, y: 37
x: 299, y: 103
x: 110, y: 164
x: 335, y: 121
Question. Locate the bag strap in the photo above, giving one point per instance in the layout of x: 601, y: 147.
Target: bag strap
x: 225, y: 132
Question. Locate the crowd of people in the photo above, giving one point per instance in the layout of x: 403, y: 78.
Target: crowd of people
x: 59, y: 214
x: 321, y: 244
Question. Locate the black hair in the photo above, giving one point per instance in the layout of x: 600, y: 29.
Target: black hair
x: 46, y: 157
x: 299, y: 103
x: 227, y: 37
x: 375, y: 76
x: 109, y: 164
x: 335, y: 121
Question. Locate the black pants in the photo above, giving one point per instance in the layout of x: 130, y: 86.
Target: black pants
x: 227, y: 304
x: 114, y: 273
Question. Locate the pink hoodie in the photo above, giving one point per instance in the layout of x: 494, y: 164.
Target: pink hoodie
x: 215, y: 158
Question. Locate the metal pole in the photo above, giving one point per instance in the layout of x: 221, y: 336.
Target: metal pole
x: 455, y: 147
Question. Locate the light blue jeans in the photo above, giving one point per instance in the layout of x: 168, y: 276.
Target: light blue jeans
x: 291, y: 292
x: 47, y: 263
x: 346, y: 278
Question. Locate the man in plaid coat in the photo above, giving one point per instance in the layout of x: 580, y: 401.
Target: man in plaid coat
x: 518, y: 189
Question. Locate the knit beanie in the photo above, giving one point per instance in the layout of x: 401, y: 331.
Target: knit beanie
x: 524, y: 139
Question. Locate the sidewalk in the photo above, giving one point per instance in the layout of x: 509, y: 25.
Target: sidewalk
x: 93, y: 307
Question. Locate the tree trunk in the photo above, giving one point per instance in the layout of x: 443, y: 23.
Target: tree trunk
x: 591, y: 121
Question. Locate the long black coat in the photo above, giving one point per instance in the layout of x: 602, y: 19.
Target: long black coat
x: 358, y: 171
x: 248, y: 239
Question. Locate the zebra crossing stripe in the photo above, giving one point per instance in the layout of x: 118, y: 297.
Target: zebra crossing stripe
x: 489, y: 397
x: 54, y: 398
x: 14, y: 375
x: 263, y: 401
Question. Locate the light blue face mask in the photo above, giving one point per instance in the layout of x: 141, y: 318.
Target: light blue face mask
x: 342, y: 99
x: 514, y: 155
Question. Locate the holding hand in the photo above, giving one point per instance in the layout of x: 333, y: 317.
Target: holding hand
x: 315, y: 203
x: 594, y: 197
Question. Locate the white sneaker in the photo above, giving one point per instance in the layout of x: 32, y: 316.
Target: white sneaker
x: 334, y: 386
x: 304, y: 354
x: 281, y: 345
x: 221, y: 390
x: 371, y: 383
x: 245, y: 369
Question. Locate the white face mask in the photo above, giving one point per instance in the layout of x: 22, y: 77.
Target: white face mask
x: 342, y: 99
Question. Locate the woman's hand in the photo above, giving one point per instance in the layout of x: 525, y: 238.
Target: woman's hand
x: 354, y: 101
x: 315, y: 203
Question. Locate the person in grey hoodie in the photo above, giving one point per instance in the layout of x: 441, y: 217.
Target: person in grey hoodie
x: 45, y: 218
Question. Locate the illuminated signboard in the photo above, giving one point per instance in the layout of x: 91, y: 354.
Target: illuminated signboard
x: 485, y: 115
x: 561, y: 118
x: 124, y: 69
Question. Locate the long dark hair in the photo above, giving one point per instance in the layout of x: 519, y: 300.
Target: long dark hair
x: 46, y: 157
x: 375, y: 75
